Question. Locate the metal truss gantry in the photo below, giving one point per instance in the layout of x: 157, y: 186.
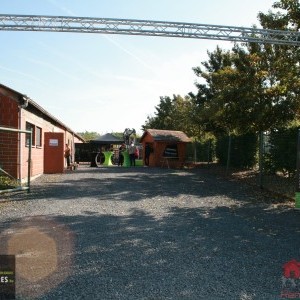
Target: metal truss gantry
x: 147, y: 28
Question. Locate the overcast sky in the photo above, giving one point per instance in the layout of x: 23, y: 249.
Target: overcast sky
x: 107, y: 83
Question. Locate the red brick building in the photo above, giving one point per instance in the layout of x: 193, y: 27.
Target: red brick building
x: 17, y: 111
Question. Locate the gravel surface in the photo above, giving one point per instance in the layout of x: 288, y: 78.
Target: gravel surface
x: 147, y: 233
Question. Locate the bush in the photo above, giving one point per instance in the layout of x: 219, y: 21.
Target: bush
x: 281, y: 151
x: 7, y: 183
x: 243, y: 150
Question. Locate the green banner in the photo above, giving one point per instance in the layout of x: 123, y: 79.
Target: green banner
x: 297, y: 200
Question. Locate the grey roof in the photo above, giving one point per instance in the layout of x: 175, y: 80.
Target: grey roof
x: 107, y: 138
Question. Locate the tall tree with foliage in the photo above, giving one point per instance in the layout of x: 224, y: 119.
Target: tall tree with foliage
x: 285, y: 59
x: 162, y: 118
x: 252, y: 87
x: 207, y: 106
x: 172, y: 114
x: 222, y: 100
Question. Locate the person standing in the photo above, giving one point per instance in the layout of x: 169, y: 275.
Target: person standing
x: 121, y: 157
x: 68, y: 155
x: 131, y: 152
x: 147, y: 154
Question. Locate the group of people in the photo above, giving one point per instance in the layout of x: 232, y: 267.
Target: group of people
x: 132, y: 151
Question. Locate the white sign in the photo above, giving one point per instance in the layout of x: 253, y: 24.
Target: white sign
x: 53, y: 142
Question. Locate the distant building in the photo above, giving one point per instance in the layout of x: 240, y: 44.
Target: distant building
x: 17, y: 111
x: 168, y: 147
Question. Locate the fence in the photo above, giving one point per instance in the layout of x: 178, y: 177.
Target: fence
x: 268, y: 160
x: 12, y: 161
x: 202, y: 152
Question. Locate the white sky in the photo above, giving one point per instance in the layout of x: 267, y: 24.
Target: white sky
x: 107, y: 83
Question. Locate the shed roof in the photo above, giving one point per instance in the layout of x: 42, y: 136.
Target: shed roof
x: 167, y: 135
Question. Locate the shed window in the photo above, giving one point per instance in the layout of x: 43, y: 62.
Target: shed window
x: 171, y: 151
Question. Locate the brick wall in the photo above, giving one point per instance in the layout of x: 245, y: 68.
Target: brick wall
x: 37, y: 152
x: 9, y: 113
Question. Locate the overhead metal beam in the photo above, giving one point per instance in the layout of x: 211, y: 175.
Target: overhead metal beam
x: 147, y: 28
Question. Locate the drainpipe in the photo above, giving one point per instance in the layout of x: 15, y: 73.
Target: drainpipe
x: 20, y: 144
x: 73, y: 148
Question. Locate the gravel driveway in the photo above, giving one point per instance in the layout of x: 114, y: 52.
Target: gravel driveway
x: 147, y: 233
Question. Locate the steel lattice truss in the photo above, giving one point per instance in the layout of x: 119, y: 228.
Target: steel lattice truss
x: 148, y: 28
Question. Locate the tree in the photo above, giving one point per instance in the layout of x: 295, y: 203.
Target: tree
x: 248, y: 89
x: 89, y: 135
x: 286, y: 17
x: 211, y: 100
x: 162, y: 118
x: 252, y: 87
x: 172, y: 114
x: 285, y: 59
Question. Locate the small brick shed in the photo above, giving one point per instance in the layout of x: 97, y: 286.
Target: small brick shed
x: 165, y: 144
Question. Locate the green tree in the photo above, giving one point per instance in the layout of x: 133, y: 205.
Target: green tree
x: 172, y: 114
x: 252, y: 87
x: 210, y: 100
x: 89, y: 135
x: 284, y: 60
x: 162, y: 118
x: 246, y: 90
x: 287, y: 16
